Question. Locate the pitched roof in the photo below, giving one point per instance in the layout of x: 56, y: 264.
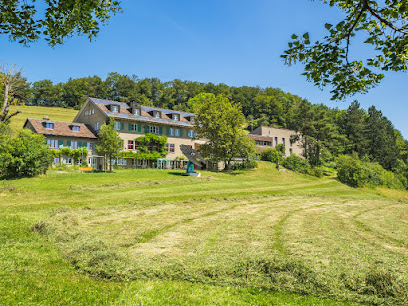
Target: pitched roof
x: 61, y: 128
x: 145, y: 115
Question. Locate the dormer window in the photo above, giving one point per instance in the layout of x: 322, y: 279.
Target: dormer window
x: 176, y: 117
x: 157, y: 115
x: 75, y: 128
x: 49, y: 125
x: 136, y: 112
x: 115, y: 108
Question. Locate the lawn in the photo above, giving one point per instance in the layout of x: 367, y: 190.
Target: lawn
x: 155, y: 237
x: 38, y: 112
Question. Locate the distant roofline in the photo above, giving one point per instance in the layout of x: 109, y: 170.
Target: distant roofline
x: 272, y: 127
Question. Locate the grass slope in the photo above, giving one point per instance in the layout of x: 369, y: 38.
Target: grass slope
x: 155, y: 237
x: 38, y: 112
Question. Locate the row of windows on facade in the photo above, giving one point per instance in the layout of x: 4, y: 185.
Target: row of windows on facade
x: 59, y: 144
x: 158, y: 130
x: 133, y: 145
x: 269, y: 143
x: 50, y: 125
x: 136, y: 112
x: 89, y: 112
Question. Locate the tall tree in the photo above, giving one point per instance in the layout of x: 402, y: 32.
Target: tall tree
x: 109, y: 144
x: 14, y: 87
x: 28, y: 21
x: 384, y: 24
x: 222, y: 123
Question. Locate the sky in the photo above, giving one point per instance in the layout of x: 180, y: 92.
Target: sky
x: 234, y: 42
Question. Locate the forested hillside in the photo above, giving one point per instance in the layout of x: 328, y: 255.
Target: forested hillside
x: 326, y: 132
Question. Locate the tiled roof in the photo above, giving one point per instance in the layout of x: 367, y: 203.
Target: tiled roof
x: 61, y: 128
x: 145, y: 115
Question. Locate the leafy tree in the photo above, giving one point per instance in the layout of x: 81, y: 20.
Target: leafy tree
x: 327, y: 62
x: 222, y: 123
x: 272, y: 155
x: 45, y: 93
x: 109, y: 143
x: 354, y: 127
x: 27, y: 22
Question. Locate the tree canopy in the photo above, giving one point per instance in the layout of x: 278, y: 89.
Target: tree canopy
x: 109, y: 143
x: 222, y: 123
x: 329, y: 61
x: 28, y: 21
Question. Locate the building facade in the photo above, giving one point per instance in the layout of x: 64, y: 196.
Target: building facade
x: 269, y: 137
x: 62, y: 135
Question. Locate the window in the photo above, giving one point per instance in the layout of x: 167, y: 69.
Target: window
x: 92, y: 111
x: 283, y: 140
x: 276, y: 141
x: 97, y: 126
x: 136, y: 112
x: 68, y: 160
x: 52, y: 143
x: 157, y: 114
x: 130, y: 145
x: 75, y: 128
x: 117, y: 125
x: 170, y: 147
x: 154, y: 129
x: 86, y: 113
x: 56, y: 160
x: 90, y: 146
x: 115, y: 109
x: 176, y: 117
x: 136, y: 144
x: 290, y: 151
x: 49, y: 125
x: 190, y: 133
x: 74, y: 145
x: 176, y: 132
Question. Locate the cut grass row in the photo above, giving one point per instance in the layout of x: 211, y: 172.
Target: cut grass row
x: 154, y: 237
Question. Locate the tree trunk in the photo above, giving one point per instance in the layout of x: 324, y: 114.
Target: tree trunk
x: 4, y: 108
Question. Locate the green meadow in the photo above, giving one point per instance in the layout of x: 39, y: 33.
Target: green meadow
x: 38, y: 112
x: 258, y: 237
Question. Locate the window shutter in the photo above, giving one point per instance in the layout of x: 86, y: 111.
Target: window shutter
x: 61, y: 143
x: 146, y: 129
x: 122, y: 126
x: 130, y: 126
x: 181, y: 133
x: 69, y: 143
x: 160, y: 130
x: 79, y: 144
x: 139, y: 127
x: 85, y: 144
x: 168, y: 131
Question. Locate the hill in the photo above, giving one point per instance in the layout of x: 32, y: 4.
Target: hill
x: 155, y: 237
x: 38, y: 112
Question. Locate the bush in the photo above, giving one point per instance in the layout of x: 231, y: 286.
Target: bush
x: 296, y: 163
x: 272, y: 155
x: 27, y: 155
x: 316, y: 171
x: 357, y: 173
x: 251, y: 164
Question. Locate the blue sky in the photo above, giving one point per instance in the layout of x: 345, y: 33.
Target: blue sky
x: 226, y: 41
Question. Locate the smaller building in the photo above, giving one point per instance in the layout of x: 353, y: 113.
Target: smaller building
x: 70, y: 135
x: 269, y: 137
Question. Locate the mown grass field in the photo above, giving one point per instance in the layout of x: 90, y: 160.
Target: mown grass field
x: 155, y: 237
x: 38, y: 112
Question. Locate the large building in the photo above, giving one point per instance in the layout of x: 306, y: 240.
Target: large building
x: 269, y: 137
x: 133, y: 120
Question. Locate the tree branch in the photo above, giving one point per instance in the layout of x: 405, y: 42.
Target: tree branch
x: 383, y: 20
x: 11, y: 115
x: 352, y: 28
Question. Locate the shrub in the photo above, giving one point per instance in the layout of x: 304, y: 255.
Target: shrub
x: 272, y: 155
x: 27, y: 155
x: 357, y: 173
x: 296, y: 163
x: 316, y: 171
x: 251, y: 164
